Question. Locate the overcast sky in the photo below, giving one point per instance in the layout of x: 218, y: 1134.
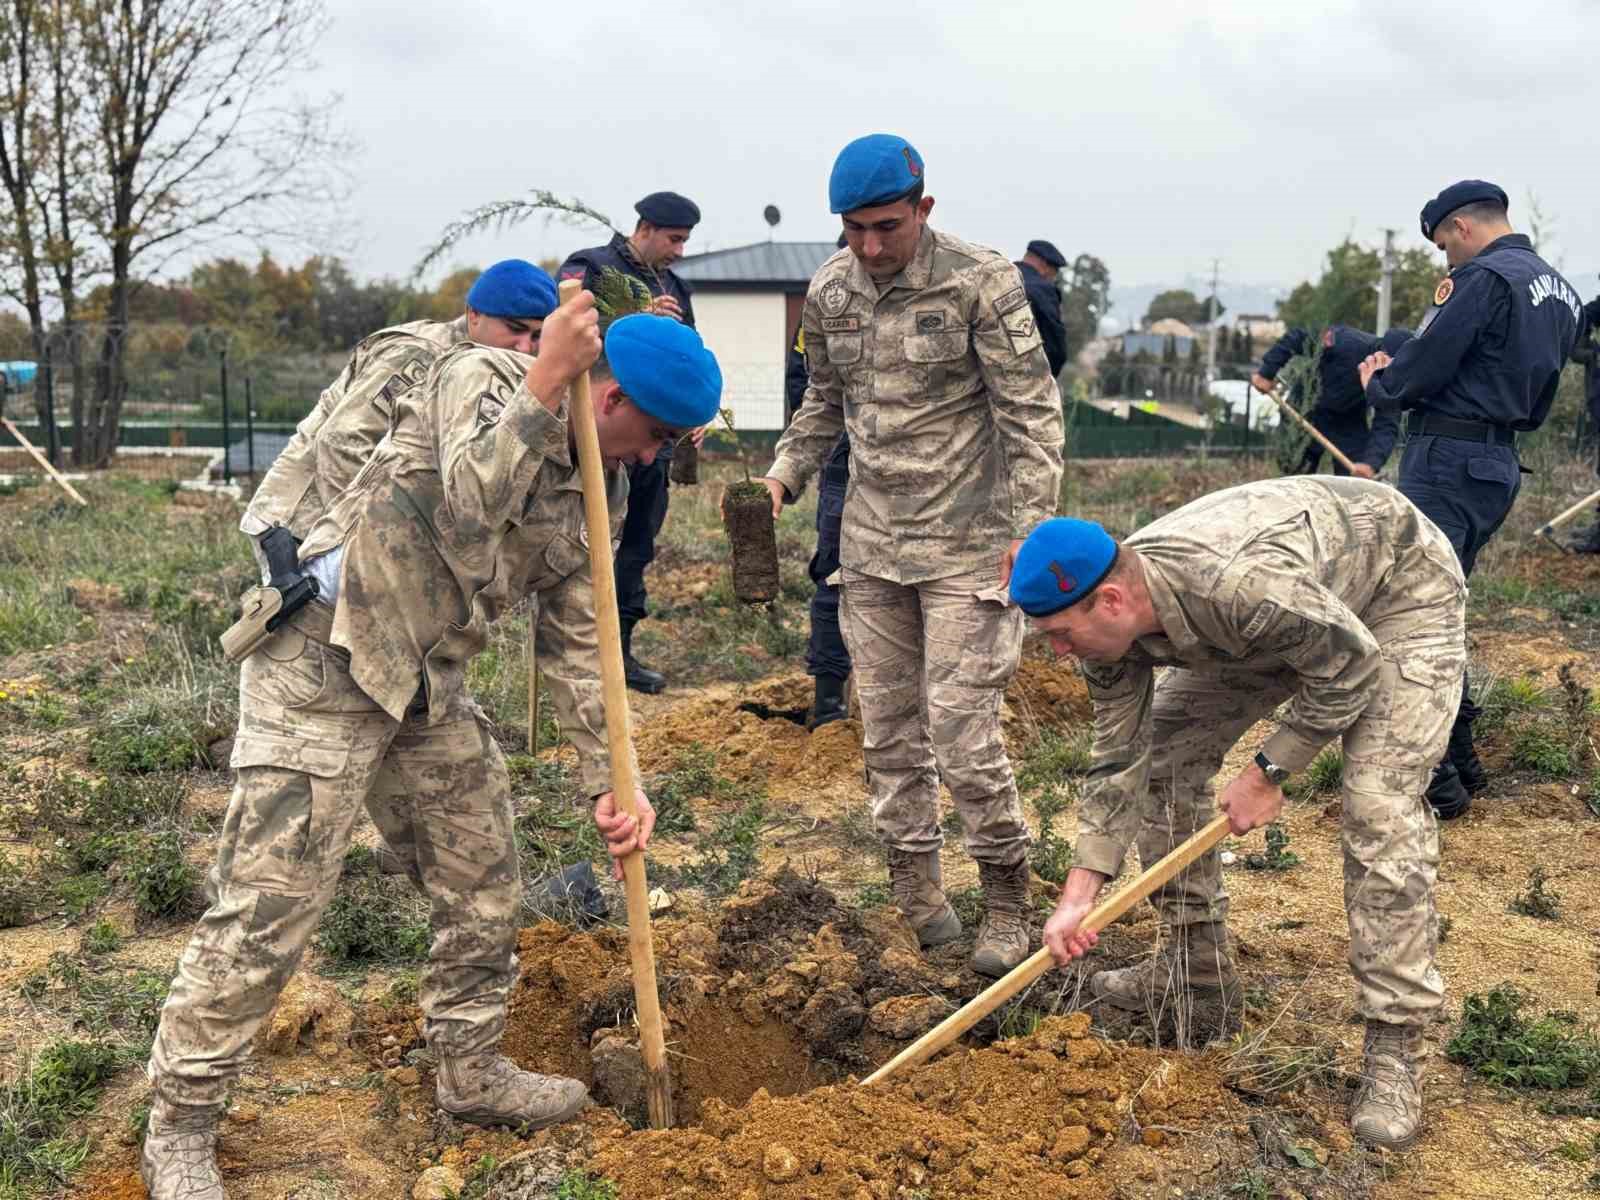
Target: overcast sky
x: 1155, y: 135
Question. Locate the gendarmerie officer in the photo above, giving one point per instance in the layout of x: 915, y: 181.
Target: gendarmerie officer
x: 827, y: 657
x: 1340, y: 410
x: 1483, y: 367
x: 666, y: 221
x: 1039, y: 267
x: 1588, y: 353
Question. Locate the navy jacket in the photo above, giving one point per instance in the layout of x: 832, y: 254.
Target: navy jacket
x: 1492, y: 346
x: 1341, y: 409
x: 587, y: 264
x: 1045, y: 300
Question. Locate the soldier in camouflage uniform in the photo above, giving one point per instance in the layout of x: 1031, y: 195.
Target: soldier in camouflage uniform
x: 1334, y: 595
x: 923, y: 348
x: 506, y: 307
x: 472, y: 502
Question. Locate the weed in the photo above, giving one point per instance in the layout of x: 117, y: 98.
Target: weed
x: 693, y: 777
x: 555, y: 835
x: 968, y: 904
x: 144, y: 738
x: 1446, y: 924
x: 1502, y: 1045
x: 35, y: 1108
x: 102, y: 1000
x: 479, y: 1176
x: 1539, y: 748
x: 873, y: 895
x: 163, y: 882
x: 101, y: 938
x: 1252, y: 1185
x: 77, y: 894
x: 1590, y: 792
x: 1051, y: 854
x: 728, y: 852
x: 580, y: 1185
x: 1278, y: 856
x: 374, y: 919
x: 1537, y: 900
x: 777, y: 639
x: 1050, y: 759
x: 1324, y: 775
x: 16, y: 893
x: 1019, y: 1020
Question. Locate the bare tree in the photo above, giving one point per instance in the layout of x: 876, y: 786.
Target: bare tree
x: 196, y: 144
x: 20, y: 38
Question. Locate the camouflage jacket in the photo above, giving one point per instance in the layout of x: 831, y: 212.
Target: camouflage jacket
x: 1285, y: 575
x: 351, y: 417
x: 955, y: 424
x: 473, y: 502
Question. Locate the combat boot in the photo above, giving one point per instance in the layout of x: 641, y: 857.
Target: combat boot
x: 1388, y: 1108
x: 830, y: 704
x: 179, y: 1159
x: 638, y: 676
x: 1589, y: 543
x: 1447, y: 796
x: 1194, y: 962
x: 489, y: 1089
x: 1003, y: 934
x: 918, y: 883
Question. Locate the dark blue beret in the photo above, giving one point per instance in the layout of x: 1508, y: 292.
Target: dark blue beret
x: 1468, y: 191
x: 668, y: 210
x: 665, y: 369
x: 1047, y: 252
x: 1060, y: 563
x: 1394, y: 339
x: 876, y: 169
x: 514, y: 288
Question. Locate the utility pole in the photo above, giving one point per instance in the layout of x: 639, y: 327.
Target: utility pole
x: 1211, y: 328
x: 1386, y: 286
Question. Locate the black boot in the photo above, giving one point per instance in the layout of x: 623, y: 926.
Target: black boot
x: 830, y: 703
x: 1462, y: 754
x: 1589, y: 543
x: 1447, y: 797
x: 639, y: 677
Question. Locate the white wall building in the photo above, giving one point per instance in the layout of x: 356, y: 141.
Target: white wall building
x: 747, y: 303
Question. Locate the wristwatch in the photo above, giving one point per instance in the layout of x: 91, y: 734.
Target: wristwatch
x: 1275, y: 774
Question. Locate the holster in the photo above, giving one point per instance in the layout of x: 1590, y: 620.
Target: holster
x: 267, y: 606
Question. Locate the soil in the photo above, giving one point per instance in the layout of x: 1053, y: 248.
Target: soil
x: 685, y: 463
x: 747, y: 516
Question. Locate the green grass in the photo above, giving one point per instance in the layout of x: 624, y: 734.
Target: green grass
x: 17, y: 890
x: 101, y: 938
x: 373, y: 919
x: 1502, y: 1044
x: 37, y: 1108
x: 1325, y: 775
x: 119, y: 1005
x: 580, y: 1185
x: 164, y: 883
x: 1051, y: 853
x: 727, y: 853
x: 1545, y: 750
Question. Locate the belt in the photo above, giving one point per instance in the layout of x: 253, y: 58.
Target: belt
x: 1418, y: 424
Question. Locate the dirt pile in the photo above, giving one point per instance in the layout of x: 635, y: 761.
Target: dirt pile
x: 1055, y: 1114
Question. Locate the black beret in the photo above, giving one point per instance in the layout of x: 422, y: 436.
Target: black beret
x: 668, y: 210
x: 1458, y: 195
x: 1046, y: 251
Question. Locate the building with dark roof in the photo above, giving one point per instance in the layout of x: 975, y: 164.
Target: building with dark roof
x: 747, y: 307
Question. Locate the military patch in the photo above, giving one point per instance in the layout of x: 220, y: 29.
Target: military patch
x: 930, y: 322
x: 490, y: 407
x: 1064, y: 582
x: 575, y: 273
x: 800, y: 340
x: 834, y: 297
x: 401, y: 382
x: 1262, y: 617
x: 1442, y: 292
x: 1021, y: 330
x: 841, y: 324
x: 1327, y: 339
x: 1010, y: 302
x: 912, y: 164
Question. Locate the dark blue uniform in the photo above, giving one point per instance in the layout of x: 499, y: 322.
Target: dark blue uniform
x: 825, y: 651
x: 1485, y: 365
x: 647, y: 485
x: 1045, y: 300
x: 1340, y: 413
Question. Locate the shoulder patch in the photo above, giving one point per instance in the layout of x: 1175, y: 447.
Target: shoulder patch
x: 490, y: 407
x: 1442, y: 292
x: 833, y: 298
x: 401, y: 382
x: 1010, y: 301
x: 1021, y: 330
x: 1259, y: 620
x: 572, y: 273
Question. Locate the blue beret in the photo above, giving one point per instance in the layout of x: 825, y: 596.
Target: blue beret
x: 1468, y: 191
x: 876, y: 169
x: 1394, y: 339
x: 1060, y: 563
x: 668, y: 210
x: 665, y: 369
x: 1048, y: 252
x: 514, y: 288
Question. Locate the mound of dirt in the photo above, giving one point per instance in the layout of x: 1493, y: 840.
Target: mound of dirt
x: 1040, y: 1116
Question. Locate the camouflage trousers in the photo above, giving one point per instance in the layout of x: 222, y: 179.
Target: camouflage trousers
x: 932, y: 661
x: 1389, y: 837
x: 312, y: 750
